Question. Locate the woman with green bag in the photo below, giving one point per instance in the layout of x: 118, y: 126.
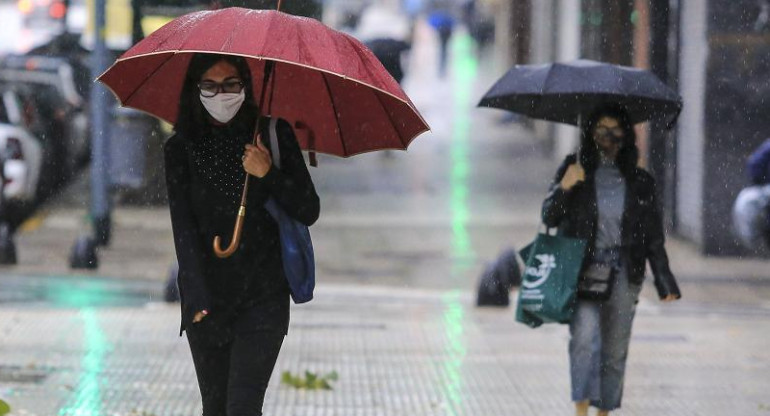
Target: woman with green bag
x: 605, y: 199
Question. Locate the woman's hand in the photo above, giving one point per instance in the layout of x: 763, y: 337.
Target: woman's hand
x: 669, y: 298
x: 573, y: 175
x: 199, y: 316
x: 257, y: 160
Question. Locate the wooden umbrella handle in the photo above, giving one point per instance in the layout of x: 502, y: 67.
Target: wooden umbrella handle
x: 236, y: 237
x: 242, y: 211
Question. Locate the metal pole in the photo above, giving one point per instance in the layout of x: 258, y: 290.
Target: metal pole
x: 662, y: 159
x: 100, y: 204
x: 67, y: 4
x: 137, y: 33
x: 567, y: 138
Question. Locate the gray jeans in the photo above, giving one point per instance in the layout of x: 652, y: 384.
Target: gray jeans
x: 600, y: 332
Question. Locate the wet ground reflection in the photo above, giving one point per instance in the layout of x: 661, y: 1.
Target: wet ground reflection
x: 76, y: 291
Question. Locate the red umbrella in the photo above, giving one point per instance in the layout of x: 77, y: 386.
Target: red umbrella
x: 321, y: 79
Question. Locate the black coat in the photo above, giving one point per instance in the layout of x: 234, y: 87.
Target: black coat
x: 253, y: 276
x: 575, y: 213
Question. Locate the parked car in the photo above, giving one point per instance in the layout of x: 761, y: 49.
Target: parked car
x: 57, y: 12
x: 21, y: 155
x: 42, y: 11
x: 53, y: 109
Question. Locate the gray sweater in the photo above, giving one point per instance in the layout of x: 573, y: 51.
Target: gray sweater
x: 610, y: 200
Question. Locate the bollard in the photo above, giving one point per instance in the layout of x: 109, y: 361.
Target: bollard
x: 7, y: 246
x: 171, y: 289
x: 84, y: 253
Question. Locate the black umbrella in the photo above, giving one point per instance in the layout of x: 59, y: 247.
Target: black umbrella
x: 567, y: 92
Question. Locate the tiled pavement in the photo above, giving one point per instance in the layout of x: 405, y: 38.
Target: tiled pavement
x: 397, y: 352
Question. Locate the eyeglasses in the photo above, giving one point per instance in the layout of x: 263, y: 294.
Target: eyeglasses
x: 211, y: 88
x: 606, y: 131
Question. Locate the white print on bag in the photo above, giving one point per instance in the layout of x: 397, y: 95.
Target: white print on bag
x: 547, y: 263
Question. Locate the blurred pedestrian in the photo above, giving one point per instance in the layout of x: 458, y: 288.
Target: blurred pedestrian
x: 603, y: 197
x: 443, y: 22
x: 751, y: 209
x: 383, y: 21
x: 480, y: 26
x: 412, y: 8
x: 236, y: 309
x: 390, y: 53
x: 758, y: 164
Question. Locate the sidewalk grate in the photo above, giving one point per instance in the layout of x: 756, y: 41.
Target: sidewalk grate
x: 339, y: 326
x: 23, y: 375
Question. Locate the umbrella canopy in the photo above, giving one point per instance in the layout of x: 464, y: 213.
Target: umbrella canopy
x: 322, y: 78
x: 565, y: 92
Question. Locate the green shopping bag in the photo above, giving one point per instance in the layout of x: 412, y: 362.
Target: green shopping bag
x: 549, y: 284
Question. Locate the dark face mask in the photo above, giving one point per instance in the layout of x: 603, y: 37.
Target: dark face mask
x: 613, y: 138
x: 614, y: 135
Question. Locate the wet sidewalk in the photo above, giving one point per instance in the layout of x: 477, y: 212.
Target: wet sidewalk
x: 401, y: 241
x: 396, y: 351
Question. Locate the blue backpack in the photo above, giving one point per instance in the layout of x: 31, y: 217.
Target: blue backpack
x: 296, y: 246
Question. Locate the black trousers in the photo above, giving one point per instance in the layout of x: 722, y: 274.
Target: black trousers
x: 233, y: 364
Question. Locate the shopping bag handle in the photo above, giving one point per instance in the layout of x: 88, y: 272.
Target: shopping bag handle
x: 543, y: 229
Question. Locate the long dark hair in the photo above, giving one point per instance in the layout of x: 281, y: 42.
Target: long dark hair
x: 628, y: 154
x: 191, y: 119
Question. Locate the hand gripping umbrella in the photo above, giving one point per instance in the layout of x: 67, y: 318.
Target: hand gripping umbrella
x: 319, y: 78
x: 568, y: 92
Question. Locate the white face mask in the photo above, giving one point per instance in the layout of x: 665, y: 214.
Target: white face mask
x: 224, y: 106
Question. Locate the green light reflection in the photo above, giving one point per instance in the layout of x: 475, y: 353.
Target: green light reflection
x: 87, y: 398
x: 464, y: 70
x: 76, y: 293
x: 454, y: 348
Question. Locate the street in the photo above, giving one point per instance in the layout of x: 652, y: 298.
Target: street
x: 401, y: 242
x: 16, y: 37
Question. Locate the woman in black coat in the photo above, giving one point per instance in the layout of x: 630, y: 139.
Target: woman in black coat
x: 610, y: 202
x: 235, y: 310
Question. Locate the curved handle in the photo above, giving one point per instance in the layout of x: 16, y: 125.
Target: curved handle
x: 236, y: 237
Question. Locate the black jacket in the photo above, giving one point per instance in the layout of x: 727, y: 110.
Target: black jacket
x: 253, y: 276
x: 575, y: 213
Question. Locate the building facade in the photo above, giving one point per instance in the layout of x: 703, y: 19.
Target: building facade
x: 716, y: 53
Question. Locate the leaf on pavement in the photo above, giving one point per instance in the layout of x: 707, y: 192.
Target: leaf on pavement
x: 5, y: 408
x: 311, y: 381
